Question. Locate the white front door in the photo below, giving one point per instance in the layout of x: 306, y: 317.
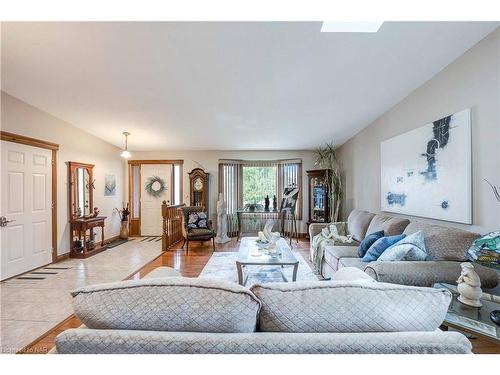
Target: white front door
x: 151, y: 198
x: 26, y: 205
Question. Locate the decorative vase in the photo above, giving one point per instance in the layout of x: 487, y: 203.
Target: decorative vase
x: 124, y: 230
x: 273, y: 250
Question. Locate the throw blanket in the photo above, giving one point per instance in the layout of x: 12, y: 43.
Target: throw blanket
x: 334, y: 233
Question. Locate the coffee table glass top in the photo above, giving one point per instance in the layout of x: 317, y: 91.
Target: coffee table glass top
x: 251, y: 252
x: 472, y: 319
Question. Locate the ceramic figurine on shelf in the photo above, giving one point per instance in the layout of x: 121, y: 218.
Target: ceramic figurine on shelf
x: 221, y: 220
x: 266, y: 203
x: 469, y: 286
x: 275, y: 204
x: 95, y: 213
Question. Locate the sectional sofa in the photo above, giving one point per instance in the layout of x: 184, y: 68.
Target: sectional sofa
x: 351, y: 314
x: 446, y: 247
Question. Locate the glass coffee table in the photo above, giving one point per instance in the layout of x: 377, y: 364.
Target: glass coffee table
x: 473, y: 320
x: 252, y: 253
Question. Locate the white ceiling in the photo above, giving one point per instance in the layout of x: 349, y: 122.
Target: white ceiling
x: 237, y: 85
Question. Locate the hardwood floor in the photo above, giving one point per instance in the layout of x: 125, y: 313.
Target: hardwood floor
x: 191, y: 266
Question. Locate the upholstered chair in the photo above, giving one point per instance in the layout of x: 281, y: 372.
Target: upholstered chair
x: 196, y: 234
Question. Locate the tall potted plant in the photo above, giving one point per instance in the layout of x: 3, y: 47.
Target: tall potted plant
x: 326, y: 158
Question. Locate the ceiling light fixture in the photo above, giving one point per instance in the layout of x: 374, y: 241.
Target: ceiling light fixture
x: 125, y: 153
x: 351, y: 27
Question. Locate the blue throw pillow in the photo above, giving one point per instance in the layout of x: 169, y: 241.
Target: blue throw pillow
x: 368, y: 241
x: 379, y: 247
x: 410, y: 248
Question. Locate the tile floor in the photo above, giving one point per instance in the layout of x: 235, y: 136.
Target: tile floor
x: 29, y: 308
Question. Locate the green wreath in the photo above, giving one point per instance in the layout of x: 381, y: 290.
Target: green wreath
x: 155, y: 186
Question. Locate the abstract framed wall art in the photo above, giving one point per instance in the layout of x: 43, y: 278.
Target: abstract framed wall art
x: 109, y: 185
x: 427, y: 171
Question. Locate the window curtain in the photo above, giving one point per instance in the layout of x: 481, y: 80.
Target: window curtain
x: 231, y: 184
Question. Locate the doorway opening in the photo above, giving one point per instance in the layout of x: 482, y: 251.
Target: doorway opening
x: 150, y: 183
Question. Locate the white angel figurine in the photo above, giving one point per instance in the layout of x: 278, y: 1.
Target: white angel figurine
x: 221, y: 221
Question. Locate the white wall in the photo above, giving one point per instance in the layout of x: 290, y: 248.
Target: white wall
x: 209, y: 161
x: 470, y: 81
x: 74, y: 145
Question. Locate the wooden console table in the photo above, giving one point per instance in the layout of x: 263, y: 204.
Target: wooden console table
x: 81, y: 247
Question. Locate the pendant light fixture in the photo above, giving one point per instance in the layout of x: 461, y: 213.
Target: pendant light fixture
x: 125, y: 153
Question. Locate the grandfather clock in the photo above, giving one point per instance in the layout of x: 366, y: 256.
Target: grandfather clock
x: 198, y: 184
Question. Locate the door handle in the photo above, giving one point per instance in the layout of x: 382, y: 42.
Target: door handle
x: 4, y: 221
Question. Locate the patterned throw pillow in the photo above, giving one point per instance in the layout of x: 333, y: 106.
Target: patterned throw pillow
x: 409, y: 248
x: 368, y: 241
x: 380, y: 246
x: 197, y: 220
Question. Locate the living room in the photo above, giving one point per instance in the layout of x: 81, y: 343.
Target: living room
x: 265, y: 187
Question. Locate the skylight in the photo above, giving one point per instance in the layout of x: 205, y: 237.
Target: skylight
x: 351, y: 27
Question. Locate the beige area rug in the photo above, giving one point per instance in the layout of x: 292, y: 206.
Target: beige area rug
x: 30, y: 308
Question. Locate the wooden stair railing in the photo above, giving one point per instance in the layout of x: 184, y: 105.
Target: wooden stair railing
x: 172, y: 225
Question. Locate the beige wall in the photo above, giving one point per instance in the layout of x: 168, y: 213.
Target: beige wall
x: 470, y: 81
x: 209, y: 161
x: 74, y: 145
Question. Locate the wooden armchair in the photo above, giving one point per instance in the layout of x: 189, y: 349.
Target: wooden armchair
x: 196, y: 234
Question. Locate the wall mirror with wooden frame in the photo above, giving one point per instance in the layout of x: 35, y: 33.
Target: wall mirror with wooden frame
x: 81, y: 189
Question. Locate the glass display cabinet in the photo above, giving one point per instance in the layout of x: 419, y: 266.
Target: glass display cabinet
x: 319, y: 210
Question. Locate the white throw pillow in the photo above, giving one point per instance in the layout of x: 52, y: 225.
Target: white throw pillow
x: 411, y: 247
x: 351, y: 274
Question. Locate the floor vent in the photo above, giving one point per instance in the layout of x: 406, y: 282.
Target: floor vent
x: 30, y: 278
x: 116, y: 243
x: 43, y: 273
x: 56, y: 268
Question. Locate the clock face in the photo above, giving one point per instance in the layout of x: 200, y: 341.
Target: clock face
x: 198, y: 184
